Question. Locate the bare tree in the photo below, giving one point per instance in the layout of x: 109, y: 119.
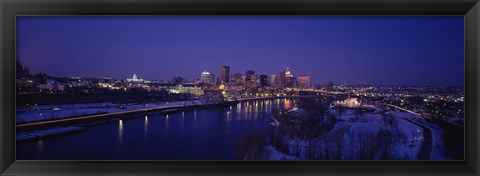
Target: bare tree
x: 251, y: 146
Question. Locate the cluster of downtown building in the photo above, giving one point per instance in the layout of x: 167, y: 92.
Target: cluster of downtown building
x: 436, y: 101
x: 231, y: 86
x: 284, y: 79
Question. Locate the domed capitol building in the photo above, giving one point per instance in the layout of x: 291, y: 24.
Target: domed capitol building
x: 134, y: 79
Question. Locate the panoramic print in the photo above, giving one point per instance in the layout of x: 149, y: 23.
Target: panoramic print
x: 240, y: 88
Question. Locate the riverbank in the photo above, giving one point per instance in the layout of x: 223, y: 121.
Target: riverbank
x: 132, y: 113
x: 199, y: 134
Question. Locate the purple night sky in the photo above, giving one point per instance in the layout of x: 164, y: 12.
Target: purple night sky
x: 385, y: 50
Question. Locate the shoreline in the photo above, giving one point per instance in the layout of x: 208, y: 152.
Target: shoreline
x: 127, y: 114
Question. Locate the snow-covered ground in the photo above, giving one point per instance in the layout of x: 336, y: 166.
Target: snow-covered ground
x: 272, y: 154
x: 46, y: 133
x: 47, y: 112
x: 437, y: 149
x: 409, y: 146
x: 372, y: 136
x: 355, y: 137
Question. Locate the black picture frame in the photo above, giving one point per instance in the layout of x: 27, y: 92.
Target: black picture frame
x: 11, y: 8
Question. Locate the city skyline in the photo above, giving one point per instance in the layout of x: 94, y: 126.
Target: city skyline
x: 218, y: 78
x: 426, y: 52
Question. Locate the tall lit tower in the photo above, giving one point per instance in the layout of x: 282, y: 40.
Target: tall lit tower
x: 224, y: 74
x: 288, y: 78
x: 287, y: 73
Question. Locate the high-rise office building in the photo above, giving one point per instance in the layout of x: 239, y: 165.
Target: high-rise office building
x: 275, y: 81
x: 304, y: 81
x: 236, y: 77
x: 224, y: 74
x: 289, y: 80
x: 248, y: 75
x: 255, y: 78
x: 263, y: 80
x: 288, y: 73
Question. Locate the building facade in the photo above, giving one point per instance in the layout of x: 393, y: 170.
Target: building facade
x: 225, y: 74
x: 275, y: 81
x: 207, y: 77
x: 236, y: 78
x: 134, y: 79
x: 289, y: 80
x: 304, y: 82
x: 248, y: 75
x: 263, y: 80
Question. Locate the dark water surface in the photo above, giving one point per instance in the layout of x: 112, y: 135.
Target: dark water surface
x: 203, y: 134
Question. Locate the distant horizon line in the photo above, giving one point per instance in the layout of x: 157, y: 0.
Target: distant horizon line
x: 286, y: 68
x: 343, y: 84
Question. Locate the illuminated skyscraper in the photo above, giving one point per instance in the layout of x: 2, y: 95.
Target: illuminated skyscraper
x: 276, y: 81
x: 289, y: 81
x: 224, y: 74
x: 22, y: 71
x: 287, y: 73
x: 304, y: 81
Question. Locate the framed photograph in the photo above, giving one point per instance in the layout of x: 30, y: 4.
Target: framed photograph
x: 257, y: 87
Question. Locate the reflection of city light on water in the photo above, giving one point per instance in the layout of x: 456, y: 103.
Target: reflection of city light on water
x: 229, y: 116
x: 183, y: 116
x: 288, y: 104
x: 40, y: 145
x: 146, y: 123
x: 239, y: 108
x: 120, y: 130
x: 166, y: 121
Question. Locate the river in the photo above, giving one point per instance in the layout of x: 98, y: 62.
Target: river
x: 202, y: 134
